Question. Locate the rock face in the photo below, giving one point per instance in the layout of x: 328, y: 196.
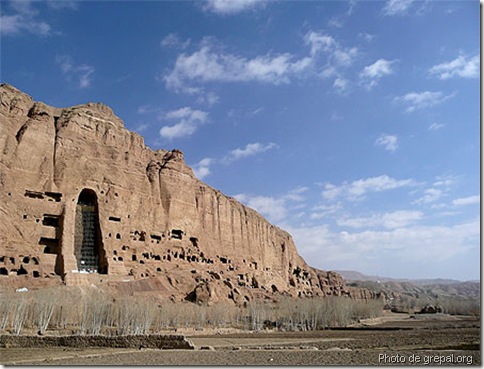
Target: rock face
x: 83, y: 200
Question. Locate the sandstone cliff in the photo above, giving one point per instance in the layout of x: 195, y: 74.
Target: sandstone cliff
x: 83, y: 200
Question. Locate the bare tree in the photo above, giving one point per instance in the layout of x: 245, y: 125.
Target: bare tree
x: 19, y: 313
x: 43, y: 309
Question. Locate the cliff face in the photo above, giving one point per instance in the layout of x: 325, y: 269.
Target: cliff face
x: 82, y: 199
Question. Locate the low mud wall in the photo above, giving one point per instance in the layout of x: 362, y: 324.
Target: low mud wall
x: 168, y: 342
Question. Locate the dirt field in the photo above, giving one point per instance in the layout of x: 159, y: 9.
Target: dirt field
x: 397, y: 339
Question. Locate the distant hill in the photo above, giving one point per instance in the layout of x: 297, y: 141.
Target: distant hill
x: 352, y: 275
x: 406, y: 294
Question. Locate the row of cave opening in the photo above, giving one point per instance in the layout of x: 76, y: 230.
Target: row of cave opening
x: 88, y: 250
x: 175, y: 234
x: 21, y: 270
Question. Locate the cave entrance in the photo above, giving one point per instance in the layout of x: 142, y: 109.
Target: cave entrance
x: 88, y: 249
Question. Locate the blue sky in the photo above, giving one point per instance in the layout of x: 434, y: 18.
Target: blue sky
x: 354, y: 125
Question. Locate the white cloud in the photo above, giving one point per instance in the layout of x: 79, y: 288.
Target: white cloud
x: 202, y: 168
x: 446, y: 181
x: 296, y: 194
x: 356, y: 190
x: 323, y: 211
x: 440, y: 188
x: 274, y: 208
x: 388, y: 142
x: 25, y: 17
x: 212, y: 64
x: 320, y: 42
x: 378, y: 69
x: 174, y: 40
x: 397, y: 7
x: 249, y: 150
x: 460, y: 67
x: 371, y: 74
x: 388, y: 250
x: 188, y: 121
x: 341, y: 85
x: 392, y: 220
x: 470, y: 200
x: 230, y: 7
x: 435, y: 126
x: 430, y: 195
x: 17, y: 23
x: 368, y: 37
x: 63, y: 4
x: 10, y: 24
x: 207, y: 65
x: 335, y: 22
x: 81, y: 73
x: 421, y: 100
x: 345, y: 57
x: 337, y: 55
x: 208, y: 98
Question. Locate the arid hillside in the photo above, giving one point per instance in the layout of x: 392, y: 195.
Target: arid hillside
x: 453, y: 296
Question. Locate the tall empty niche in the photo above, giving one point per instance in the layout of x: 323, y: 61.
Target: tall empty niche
x: 88, y: 249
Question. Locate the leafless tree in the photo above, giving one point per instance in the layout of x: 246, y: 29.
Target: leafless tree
x: 19, y: 313
x: 43, y: 309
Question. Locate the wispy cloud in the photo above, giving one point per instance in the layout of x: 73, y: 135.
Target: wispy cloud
x: 274, y: 208
x: 212, y: 64
x: 250, y: 149
x: 438, y: 190
x: 329, y: 58
x: 430, y: 195
x: 231, y: 7
x: 202, y: 168
x: 465, y: 67
x: 368, y: 37
x: 72, y: 71
x: 341, y: 85
x: 421, y: 100
x: 435, y: 126
x: 388, y: 142
x: 63, y: 4
x: 24, y: 18
x: 470, y: 200
x: 397, y: 7
x: 391, y: 220
x: 323, y: 44
x: 371, y: 74
x: 383, y: 250
x: 208, y: 98
x: 188, y: 120
x: 320, y: 42
x: 174, y: 40
x: 356, y: 190
x: 209, y: 65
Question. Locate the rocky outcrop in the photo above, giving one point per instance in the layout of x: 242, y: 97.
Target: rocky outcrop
x: 83, y: 200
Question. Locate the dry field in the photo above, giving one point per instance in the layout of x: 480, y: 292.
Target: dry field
x: 393, y: 339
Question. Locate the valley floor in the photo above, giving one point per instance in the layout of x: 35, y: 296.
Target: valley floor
x: 397, y: 339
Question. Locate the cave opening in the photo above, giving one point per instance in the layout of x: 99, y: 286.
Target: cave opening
x: 88, y: 248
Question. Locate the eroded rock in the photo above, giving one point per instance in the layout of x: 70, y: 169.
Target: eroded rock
x: 83, y: 200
